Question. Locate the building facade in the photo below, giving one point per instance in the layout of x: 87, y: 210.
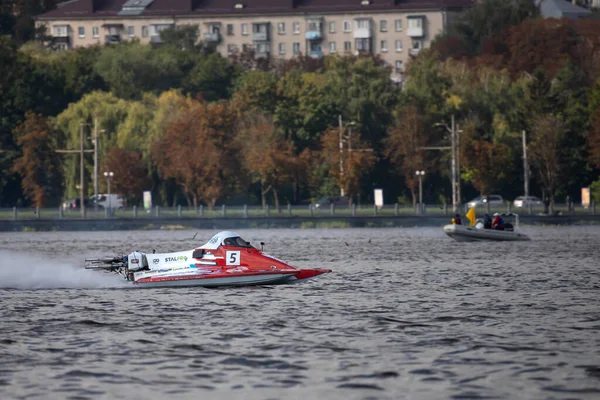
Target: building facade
x: 393, y: 29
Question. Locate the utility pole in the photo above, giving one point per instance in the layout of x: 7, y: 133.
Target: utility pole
x: 81, y: 152
x: 525, y: 166
x: 81, y: 191
x: 341, y: 156
x: 453, y: 138
x: 458, y: 194
x: 95, y: 166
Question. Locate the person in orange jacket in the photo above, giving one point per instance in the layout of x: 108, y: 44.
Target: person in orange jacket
x: 498, y: 222
x: 456, y: 220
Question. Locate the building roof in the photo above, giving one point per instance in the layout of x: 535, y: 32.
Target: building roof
x: 94, y: 9
x: 561, y: 9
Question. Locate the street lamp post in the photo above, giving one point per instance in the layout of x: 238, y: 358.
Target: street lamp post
x: 420, y: 174
x: 109, y: 176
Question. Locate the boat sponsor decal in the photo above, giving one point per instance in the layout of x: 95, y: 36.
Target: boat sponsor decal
x: 178, y: 258
x: 134, y: 261
x: 155, y: 260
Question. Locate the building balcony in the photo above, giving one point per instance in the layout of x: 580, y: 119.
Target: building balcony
x: 61, y: 39
x: 155, y: 39
x: 415, y: 32
x: 314, y: 35
x: 112, y: 38
x: 362, y: 33
x: 415, y: 27
x: 260, y: 36
x: 212, y: 37
x: 316, y: 54
x: 414, y: 52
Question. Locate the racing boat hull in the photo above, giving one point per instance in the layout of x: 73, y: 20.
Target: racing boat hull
x: 218, y: 278
x: 463, y: 233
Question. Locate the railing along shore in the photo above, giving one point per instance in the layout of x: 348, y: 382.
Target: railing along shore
x: 257, y: 211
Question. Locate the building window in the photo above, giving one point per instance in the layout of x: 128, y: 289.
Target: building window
x: 363, y: 45
x: 281, y: 28
x: 131, y: 31
x: 362, y: 24
x: 81, y: 31
x: 383, y: 26
x: 262, y: 48
x: 244, y: 29
x: 332, y: 47
x: 332, y: 27
x: 296, y: 47
x: 417, y: 44
x: 61, y: 31
x: 398, y: 24
x: 229, y: 29
x: 415, y: 23
x: 144, y: 31
x: 399, y: 66
x: 398, y: 45
x: 95, y: 31
x: 347, y: 46
x: 346, y: 26
x: 61, y: 46
x: 230, y: 49
x: 384, y: 46
x: 314, y: 26
x: 281, y: 48
x: 296, y: 28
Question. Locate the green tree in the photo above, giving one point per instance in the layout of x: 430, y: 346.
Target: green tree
x: 184, y: 37
x: 488, y: 19
x: 109, y: 111
x: 129, y: 69
x: 211, y: 78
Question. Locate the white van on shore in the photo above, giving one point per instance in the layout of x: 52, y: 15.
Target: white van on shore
x: 114, y: 201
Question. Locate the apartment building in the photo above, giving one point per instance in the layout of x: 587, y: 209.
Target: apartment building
x: 394, y: 29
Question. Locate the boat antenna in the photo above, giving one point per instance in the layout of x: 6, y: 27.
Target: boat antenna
x: 262, y: 246
x: 195, y: 234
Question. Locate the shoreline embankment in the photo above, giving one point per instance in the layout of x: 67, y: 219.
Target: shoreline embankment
x: 109, y: 224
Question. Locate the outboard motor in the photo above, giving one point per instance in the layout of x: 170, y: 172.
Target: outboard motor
x: 136, y: 261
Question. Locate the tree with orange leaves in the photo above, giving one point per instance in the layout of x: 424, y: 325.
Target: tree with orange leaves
x: 267, y: 155
x: 131, y: 173
x: 403, y: 147
x: 348, y: 165
x: 198, y: 151
x: 39, y: 165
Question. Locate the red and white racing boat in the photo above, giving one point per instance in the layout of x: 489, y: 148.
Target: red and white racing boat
x: 225, y: 260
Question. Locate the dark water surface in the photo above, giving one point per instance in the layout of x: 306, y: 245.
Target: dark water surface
x: 406, y: 314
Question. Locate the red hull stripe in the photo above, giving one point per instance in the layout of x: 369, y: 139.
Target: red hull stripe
x: 212, y: 276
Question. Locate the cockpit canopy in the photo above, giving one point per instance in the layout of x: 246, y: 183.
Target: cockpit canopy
x: 226, y: 238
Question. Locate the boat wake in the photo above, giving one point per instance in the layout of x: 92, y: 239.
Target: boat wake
x: 26, y: 271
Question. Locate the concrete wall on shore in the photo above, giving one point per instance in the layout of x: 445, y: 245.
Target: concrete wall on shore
x: 263, y: 222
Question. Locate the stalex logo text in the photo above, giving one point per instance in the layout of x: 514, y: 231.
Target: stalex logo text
x: 180, y: 258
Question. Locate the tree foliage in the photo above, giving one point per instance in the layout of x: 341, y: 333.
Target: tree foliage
x: 39, y: 164
x: 346, y: 167
x: 547, y: 134
x: 199, y: 153
x: 131, y: 173
x: 404, y: 147
x: 267, y: 156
